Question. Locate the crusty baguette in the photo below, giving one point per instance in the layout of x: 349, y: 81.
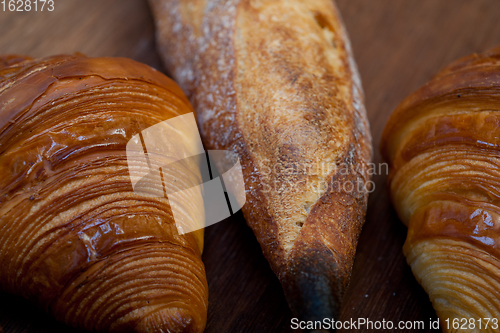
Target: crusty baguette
x: 275, y: 81
x: 75, y: 238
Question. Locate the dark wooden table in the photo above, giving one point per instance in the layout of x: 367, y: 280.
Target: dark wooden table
x: 398, y: 44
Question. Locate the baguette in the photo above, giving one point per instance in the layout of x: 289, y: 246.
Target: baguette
x: 275, y: 81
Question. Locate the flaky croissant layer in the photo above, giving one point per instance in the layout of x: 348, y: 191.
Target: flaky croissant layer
x: 443, y: 146
x: 74, y: 236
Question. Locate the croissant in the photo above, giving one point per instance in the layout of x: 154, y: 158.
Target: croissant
x: 275, y: 82
x: 442, y: 143
x: 75, y: 238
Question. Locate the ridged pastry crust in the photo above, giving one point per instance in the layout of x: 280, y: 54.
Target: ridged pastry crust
x: 274, y: 80
x: 443, y: 145
x: 74, y: 237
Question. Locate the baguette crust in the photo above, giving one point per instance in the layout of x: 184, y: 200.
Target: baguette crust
x: 275, y: 81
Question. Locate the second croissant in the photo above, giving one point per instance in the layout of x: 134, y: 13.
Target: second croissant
x: 443, y: 145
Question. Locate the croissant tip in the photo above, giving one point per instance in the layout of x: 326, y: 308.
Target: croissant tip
x: 168, y: 320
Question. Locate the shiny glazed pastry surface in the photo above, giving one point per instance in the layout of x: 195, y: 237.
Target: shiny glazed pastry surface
x: 74, y: 236
x: 275, y: 81
x: 443, y: 145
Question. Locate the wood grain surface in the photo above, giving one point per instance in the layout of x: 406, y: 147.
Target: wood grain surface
x: 398, y: 45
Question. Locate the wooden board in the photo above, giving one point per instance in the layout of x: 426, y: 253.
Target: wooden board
x: 398, y: 45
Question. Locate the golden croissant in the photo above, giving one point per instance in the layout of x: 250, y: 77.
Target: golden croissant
x: 442, y: 143
x: 275, y: 82
x: 74, y: 237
